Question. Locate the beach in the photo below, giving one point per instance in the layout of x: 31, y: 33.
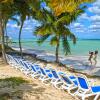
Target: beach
x: 49, y: 40
x: 34, y: 90
x: 72, y: 62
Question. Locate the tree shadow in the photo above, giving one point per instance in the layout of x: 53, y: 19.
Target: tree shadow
x: 76, y: 64
x: 23, y: 91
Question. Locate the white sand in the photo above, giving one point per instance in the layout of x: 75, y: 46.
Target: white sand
x: 35, y: 90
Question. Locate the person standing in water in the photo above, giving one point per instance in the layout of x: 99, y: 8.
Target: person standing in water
x: 90, y: 57
x: 95, y: 57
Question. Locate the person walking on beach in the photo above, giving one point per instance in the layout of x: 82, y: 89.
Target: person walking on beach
x: 95, y: 57
x: 90, y: 57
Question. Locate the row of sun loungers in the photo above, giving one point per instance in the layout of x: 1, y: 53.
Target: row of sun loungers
x: 77, y: 86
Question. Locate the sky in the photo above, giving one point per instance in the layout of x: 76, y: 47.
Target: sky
x: 87, y: 26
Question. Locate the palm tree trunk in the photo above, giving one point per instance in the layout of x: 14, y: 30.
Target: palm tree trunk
x: 2, y: 40
x: 57, y: 51
x: 6, y: 40
x: 20, y: 46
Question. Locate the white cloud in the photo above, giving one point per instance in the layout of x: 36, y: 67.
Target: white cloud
x: 89, y: 23
x: 97, y: 3
x: 84, y: 16
x: 77, y: 25
x: 94, y: 27
x: 13, y: 25
x: 95, y: 9
x: 27, y: 28
x: 95, y: 18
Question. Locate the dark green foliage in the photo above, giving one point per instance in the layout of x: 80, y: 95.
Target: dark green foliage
x: 13, y: 81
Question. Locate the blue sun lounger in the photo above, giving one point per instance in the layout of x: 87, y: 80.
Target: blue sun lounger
x: 10, y: 60
x: 46, y: 76
x: 50, y: 76
x: 69, y: 82
x: 35, y: 72
x: 25, y: 67
x: 56, y: 80
x: 85, y: 91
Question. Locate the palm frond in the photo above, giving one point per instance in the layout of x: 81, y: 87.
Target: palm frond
x: 16, y: 20
x: 62, y: 6
x: 66, y: 46
x: 43, y: 38
x: 43, y: 29
x: 69, y: 34
x: 54, y: 41
x: 64, y: 20
x: 73, y: 38
x: 77, y: 13
x: 34, y: 4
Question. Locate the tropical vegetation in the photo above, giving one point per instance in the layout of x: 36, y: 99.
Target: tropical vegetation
x: 62, y: 6
x: 54, y: 22
x: 56, y: 29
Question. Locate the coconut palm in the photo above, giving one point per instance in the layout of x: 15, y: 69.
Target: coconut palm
x: 22, y: 8
x: 56, y: 29
x: 25, y: 8
x: 5, y: 12
x: 61, y: 6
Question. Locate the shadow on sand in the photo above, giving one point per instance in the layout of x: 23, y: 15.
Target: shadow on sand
x: 24, y: 91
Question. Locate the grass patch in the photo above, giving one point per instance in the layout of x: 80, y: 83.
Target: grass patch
x: 12, y: 81
x: 4, y: 96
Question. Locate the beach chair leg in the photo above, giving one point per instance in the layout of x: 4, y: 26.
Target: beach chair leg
x: 97, y: 97
x: 46, y: 82
x: 83, y: 98
x: 58, y: 86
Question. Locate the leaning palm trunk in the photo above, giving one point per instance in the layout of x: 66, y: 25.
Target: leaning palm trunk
x: 2, y: 40
x: 57, y: 51
x: 20, y: 46
x: 6, y: 40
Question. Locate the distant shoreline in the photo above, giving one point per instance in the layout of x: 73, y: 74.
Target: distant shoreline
x: 77, y: 63
x: 28, y: 40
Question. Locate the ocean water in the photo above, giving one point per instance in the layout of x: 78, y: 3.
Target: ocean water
x: 81, y: 48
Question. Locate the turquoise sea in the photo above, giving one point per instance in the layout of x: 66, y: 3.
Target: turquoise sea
x: 82, y: 47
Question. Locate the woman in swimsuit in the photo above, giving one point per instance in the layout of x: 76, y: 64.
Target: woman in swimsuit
x: 90, y: 57
x: 95, y: 57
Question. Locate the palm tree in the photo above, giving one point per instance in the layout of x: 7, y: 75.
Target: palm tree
x: 62, y: 6
x: 23, y: 11
x: 22, y: 8
x: 55, y: 28
x: 25, y: 8
x: 2, y: 38
x: 5, y: 12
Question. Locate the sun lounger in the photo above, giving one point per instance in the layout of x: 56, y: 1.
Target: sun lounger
x: 56, y: 81
x: 51, y: 76
x: 68, y: 83
x: 10, y: 60
x: 35, y: 71
x: 85, y: 91
x: 25, y: 67
x: 46, y: 75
